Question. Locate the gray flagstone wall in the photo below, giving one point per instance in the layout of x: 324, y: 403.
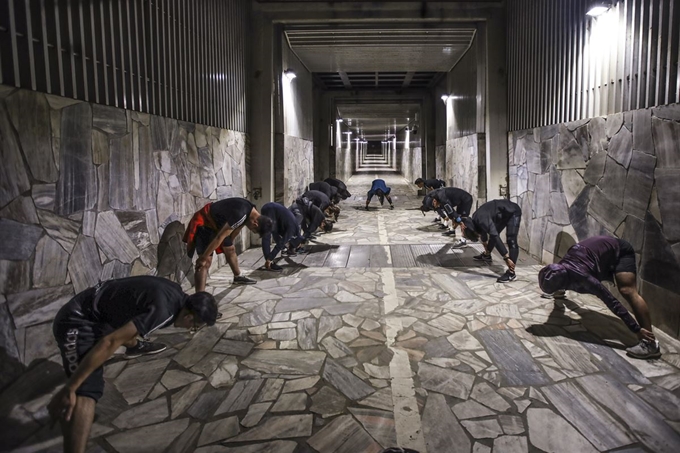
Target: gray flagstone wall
x: 617, y: 175
x: 461, y: 164
x: 90, y: 192
x: 297, y: 171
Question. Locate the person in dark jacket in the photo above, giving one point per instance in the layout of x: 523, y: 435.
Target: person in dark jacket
x: 379, y: 189
x: 323, y: 202
x: 429, y: 184
x: 456, y: 205
x: 215, y: 227
x: 285, y: 230
x: 96, y: 322
x: 309, y: 216
x: 599, y: 259
x: 332, y: 194
x: 342, y: 188
x: 487, y: 223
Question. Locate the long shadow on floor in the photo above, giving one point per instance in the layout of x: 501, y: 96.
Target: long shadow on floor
x: 601, y: 328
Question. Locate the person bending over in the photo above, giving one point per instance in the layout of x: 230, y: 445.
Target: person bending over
x: 342, y: 188
x: 488, y: 222
x: 429, y: 184
x: 447, y: 199
x: 323, y: 202
x: 91, y: 326
x: 285, y: 230
x: 332, y: 194
x: 214, y: 229
x: 428, y: 205
x: 379, y: 189
x: 594, y: 260
x: 310, y: 217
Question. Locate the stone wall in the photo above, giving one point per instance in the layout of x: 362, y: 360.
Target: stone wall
x: 294, y: 168
x: 617, y: 176
x: 463, y: 165
x: 89, y: 193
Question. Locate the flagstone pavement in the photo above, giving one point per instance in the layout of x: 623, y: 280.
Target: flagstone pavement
x: 381, y: 335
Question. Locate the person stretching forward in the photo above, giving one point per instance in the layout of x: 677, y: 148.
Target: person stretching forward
x: 488, y: 222
x: 380, y: 189
x: 597, y: 259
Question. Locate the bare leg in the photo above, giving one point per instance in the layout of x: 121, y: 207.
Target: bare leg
x: 625, y: 282
x: 232, y: 259
x: 201, y: 276
x: 77, y: 431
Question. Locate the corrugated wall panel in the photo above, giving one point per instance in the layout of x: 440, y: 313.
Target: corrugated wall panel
x: 564, y: 66
x: 184, y: 59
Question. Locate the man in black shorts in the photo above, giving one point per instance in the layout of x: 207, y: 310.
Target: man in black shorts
x: 599, y: 259
x: 488, y: 222
x: 96, y: 322
x: 379, y: 189
x: 214, y: 228
x: 285, y: 230
x: 309, y: 216
x: 446, y: 200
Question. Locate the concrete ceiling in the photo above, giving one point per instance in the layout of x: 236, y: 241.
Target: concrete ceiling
x: 383, y: 57
x: 372, y: 120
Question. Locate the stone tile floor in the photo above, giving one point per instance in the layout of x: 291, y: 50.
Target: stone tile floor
x: 383, y: 336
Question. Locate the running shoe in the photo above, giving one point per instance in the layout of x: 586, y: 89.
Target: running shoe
x: 144, y: 348
x: 483, y: 257
x: 275, y: 267
x: 243, y: 280
x: 507, y: 277
x: 645, y: 349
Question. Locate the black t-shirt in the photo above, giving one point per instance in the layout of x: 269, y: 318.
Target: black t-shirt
x: 149, y: 302
x: 493, y: 216
x: 322, y: 187
x: 319, y: 199
x: 231, y: 211
x: 433, y: 183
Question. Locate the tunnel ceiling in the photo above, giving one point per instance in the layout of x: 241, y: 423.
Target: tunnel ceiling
x: 370, y: 120
x: 384, y: 57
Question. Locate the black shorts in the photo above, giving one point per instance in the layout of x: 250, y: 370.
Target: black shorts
x: 75, y: 336
x: 627, y: 259
x: 463, y: 210
x: 204, y: 237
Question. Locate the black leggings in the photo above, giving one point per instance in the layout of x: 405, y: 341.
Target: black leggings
x: 511, y: 232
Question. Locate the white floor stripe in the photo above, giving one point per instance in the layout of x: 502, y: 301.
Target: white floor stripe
x: 406, y: 415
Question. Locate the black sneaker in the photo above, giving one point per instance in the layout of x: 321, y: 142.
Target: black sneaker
x: 442, y: 227
x: 645, y: 349
x: 144, y: 348
x: 391, y: 206
x: 437, y: 219
x: 367, y: 208
x: 275, y: 267
x: 291, y: 253
x: 507, y: 277
x: 243, y: 280
x: 483, y: 257
x: 449, y: 233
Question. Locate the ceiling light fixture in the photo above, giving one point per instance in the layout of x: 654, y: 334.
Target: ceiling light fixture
x: 598, y: 8
x: 289, y: 73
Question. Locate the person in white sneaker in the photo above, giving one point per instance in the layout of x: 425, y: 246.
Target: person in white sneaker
x: 487, y: 223
x: 446, y: 200
x: 598, y: 259
x: 96, y: 322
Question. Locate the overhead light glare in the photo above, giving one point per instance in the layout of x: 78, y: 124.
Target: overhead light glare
x: 598, y: 8
x: 445, y: 98
x: 289, y: 73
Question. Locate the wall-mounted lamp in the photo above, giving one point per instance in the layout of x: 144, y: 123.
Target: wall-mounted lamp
x: 339, y: 120
x: 598, y: 8
x: 289, y: 73
x: 445, y: 98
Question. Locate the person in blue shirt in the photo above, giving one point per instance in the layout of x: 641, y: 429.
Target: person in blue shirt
x: 379, y: 189
x: 285, y: 230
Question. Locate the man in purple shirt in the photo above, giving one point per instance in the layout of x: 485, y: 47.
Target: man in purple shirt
x: 597, y: 259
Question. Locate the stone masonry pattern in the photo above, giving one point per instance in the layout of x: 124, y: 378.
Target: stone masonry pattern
x: 89, y: 193
x: 617, y: 176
